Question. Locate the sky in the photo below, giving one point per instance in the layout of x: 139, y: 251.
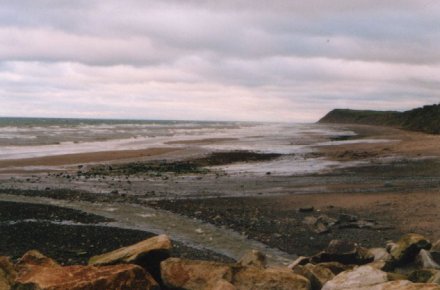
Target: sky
x: 249, y: 60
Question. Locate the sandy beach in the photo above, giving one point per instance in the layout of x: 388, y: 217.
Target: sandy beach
x: 392, y: 189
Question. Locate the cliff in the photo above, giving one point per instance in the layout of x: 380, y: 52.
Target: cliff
x: 425, y: 119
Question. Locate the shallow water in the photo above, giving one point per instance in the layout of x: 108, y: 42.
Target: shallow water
x: 189, y: 231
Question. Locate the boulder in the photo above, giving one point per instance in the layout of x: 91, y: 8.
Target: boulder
x: 253, y: 258
x: 35, y: 271
x: 435, y: 252
x: 7, y: 273
x: 344, y: 252
x: 147, y: 254
x: 194, y: 275
x: 403, y: 285
x: 223, y: 285
x: 380, y: 254
x: 422, y: 275
x: 321, y: 224
x: 317, y: 275
x: 202, y: 275
x: 435, y: 279
x: 246, y: 278
x: 363, y: 276
x: 299, y: 261
x: 336, y: 267
x: 425, y: 260
x: 408, y: 247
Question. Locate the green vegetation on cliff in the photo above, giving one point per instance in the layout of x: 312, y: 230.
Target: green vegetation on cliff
x: 425, y: 119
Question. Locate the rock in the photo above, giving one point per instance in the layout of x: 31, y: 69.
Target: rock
x: 194, y: 275
x: 299, y: 261
x: 344, y: 252
x: 407, y: 248
x: 35, y: 271
x: 7, y: 273
x: 380, y: 254
x: 202, y: 275
x: 403, y: 285
x: 306, y: 209
x: 335, y: 267
x: 271, y: 278
x: 223, y: 285
x: 36, y: 258
x: 435, y: 279
x: 425, y: 260
x: 253, y: 258
x: 435, y: 252
x: 422, y: 275
x: 363, y: 276
x: 321, y: 224
x: 317, y: 275
x: 347, y: 218
x: 147, y: 254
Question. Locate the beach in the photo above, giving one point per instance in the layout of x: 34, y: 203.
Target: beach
x: 362, y: 183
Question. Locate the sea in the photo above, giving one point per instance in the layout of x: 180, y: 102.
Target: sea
x: 38, y: 137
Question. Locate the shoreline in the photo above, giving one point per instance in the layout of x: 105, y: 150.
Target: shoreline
x: 392, y: 192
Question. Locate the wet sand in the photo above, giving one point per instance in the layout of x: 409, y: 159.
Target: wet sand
x: 396, y: 186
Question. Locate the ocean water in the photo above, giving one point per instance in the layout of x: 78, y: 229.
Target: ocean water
x: 36, y: 137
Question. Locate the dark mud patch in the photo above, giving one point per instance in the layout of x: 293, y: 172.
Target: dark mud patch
x: 192, y: 166
x: 72, y: 244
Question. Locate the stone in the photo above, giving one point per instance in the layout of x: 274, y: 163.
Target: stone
x: 363, y: 276
x: 37, y: 272
x: 147, y: 254
x: 321, y: 224
x: 223, y: 285
x: 299, y: 261
x: 195, y: 275
x: 253, y: 258
x: 246, y: 278
x: 435, y: 252
x: 408, y: 247
x: 380, y: 254
x: 202, y: 275
x: 435, y: 279
x: 403, y: 285
x: 425, y: 260
x: 317, y: 275
x: 306, y: 209
x: 335, y: 267
x: 7, y: 273
x: 422, y: 275
x: 344, y: 252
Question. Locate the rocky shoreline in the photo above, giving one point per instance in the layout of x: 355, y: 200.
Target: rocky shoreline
x: 412, y: 262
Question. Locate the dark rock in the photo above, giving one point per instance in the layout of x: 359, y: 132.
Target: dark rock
x: 344, y: 252
x: 408, y: 247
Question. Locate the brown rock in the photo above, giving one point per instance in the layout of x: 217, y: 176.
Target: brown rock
x: 344, y: 252
x: 271, y: 278
x: 38, y: 272
x: 194, y: 275
x: 147, y: 254
x: 253, y: 258
x: 317, y: 275
x: 408, y: 247
x: 336, y: 267
x: 299, y: 261
x: 361, y: 277
x: 7, y: 273
x: 203, y: 275
x: 422, y: 275
x: 223, y: 285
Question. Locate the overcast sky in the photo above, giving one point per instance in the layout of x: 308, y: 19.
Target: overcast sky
x: 257, y: 60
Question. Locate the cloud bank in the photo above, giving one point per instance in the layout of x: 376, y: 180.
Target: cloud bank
x: 216, y: 60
